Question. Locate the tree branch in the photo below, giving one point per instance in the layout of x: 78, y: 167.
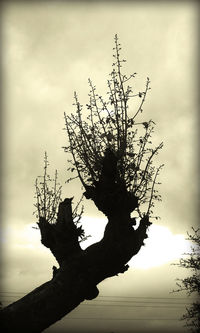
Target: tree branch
x: 61, y: 237
x: 78, y: 275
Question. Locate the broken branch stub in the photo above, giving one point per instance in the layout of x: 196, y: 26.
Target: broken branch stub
x: 61, y: 237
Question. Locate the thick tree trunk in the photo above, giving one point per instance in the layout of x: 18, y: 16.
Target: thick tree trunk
x: 74, y: 282
x: 80, y: 271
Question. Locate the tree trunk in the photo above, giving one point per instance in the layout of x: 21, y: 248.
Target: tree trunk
x: 80, y: 271
x: 74, y: 282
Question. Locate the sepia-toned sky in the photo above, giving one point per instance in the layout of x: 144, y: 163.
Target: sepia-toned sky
x: 49, y: 50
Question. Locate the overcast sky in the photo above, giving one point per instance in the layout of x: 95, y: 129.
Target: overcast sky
x: 50, y: 49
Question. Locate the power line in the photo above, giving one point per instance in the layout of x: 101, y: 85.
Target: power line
x: 131, y: 302
x: 136, y: 306
x: 126, y: 306
x: 103, y: 318
x: 146, y: 297
x: 179, y: 306
x: 144, y: 302
x: 106, y: 296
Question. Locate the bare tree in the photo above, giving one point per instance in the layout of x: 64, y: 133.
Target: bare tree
x: 191, y: 284
x: 112, y: 155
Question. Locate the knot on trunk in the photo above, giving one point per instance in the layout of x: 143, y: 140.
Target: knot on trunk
x: 110, y: 193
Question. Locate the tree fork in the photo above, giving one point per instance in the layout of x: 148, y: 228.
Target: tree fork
x: 75, y: 281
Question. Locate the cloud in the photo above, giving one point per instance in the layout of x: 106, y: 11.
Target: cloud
x: 161, y: 247
x: 26, y: 263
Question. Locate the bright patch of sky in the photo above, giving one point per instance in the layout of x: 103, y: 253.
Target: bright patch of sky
x: 161, y: 247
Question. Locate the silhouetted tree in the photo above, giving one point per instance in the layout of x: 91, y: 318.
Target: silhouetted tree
x: 191, y: 284
x: 112, y: 155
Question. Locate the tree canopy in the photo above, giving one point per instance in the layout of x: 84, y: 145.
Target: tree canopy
x: 109, y: 127
x: 191, y: 284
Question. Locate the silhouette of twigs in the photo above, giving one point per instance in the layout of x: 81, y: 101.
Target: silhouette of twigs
x: 107, y: 124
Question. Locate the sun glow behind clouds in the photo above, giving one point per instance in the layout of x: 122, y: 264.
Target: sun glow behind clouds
x: 161, y: 247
